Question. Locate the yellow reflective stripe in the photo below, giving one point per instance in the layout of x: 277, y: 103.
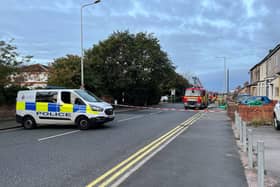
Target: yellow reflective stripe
x: 20, y: 105
x: 66, y: 108
x: 89, y: 111
x: 42, y: 107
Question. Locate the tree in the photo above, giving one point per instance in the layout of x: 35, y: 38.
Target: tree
x: 128, y: 65
x: 176, y: 81
x: 65, y: 71
x: 10, y: 60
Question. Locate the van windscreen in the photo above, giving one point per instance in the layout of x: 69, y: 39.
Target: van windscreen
x: 88, y: 96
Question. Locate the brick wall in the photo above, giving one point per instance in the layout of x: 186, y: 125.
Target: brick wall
x: 7, y: 111
x: 252, y: 114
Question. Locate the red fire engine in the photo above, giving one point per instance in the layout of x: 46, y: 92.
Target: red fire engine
x: 195, y: 97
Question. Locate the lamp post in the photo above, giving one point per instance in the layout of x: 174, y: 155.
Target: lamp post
x: 225, y: 72
x: 82, y: 48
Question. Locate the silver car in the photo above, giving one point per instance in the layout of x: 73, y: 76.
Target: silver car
x: 276, y: 116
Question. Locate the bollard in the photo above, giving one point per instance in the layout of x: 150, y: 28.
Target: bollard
x: 244, y: 133
x: 260, y: 147
x: 238, y: 121
x: 238, y: 125
x: 235, y: 119
x: 241, y: 131
x: 250, y: 148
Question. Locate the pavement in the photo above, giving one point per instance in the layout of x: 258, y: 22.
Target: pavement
x: 9, y: 124
x: 271, y: 139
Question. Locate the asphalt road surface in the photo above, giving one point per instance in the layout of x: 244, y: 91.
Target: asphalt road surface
x: 139, y: 148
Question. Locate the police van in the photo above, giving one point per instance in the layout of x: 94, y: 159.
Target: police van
x: 61, y: 106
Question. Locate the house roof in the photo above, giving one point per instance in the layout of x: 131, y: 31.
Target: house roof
x: 35, y: 68
x: 271, y: 52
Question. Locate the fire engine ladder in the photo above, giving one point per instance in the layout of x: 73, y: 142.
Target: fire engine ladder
x: 196, y: 82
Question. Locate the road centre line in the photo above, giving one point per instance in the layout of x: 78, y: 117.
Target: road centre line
x: 57, y: 135
x: 156, y: 112
x: 137, y: 156
x: 144, y: 150
x: 146, y: 159
x: 129, y: 166
x: 154, y: 148
x: 140, y: 116
x: 54, y: 136
x: 134, y: 117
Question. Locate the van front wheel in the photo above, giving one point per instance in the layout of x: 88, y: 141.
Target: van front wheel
x: 28, y: 122
x: 83, y: 123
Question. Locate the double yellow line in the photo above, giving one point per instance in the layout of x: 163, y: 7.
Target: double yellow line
x: 111, y: 175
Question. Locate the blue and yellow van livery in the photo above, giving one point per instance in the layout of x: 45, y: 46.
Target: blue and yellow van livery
x: 61, y: 106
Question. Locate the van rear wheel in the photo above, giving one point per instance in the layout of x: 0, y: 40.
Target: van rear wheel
x: 83, y: 123
x: 28, y: 122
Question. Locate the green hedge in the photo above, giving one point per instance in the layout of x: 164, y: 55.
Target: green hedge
x: 8, y: 95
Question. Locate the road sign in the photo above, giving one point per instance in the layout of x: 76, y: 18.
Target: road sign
x: 173, y: 91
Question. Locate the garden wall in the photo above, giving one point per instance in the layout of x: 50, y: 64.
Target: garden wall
x: 252, y: 114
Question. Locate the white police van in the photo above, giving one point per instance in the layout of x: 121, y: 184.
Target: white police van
x: 61, y: 106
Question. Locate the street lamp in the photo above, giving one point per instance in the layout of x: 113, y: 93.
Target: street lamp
x: 82, y: 48
x: 225, y: 71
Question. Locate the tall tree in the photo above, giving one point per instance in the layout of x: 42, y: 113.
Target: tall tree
x: 129, y: 65
x: 65, y: 71
x: 9, y: 62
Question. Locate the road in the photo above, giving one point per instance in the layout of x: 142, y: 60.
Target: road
x: 154, y: 147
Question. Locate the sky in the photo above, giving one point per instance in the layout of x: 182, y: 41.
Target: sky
x: 195, y: 34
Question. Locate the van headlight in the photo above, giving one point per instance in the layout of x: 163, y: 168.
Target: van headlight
x: 96, y: 108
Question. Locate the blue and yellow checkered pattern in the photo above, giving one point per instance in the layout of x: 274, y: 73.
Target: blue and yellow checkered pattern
x: 53, y: 107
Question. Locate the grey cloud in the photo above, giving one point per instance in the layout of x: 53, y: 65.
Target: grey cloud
x: 193, y: 33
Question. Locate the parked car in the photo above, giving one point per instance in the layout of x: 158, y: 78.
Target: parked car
x: 242, y: 97
x: 276, y: 116
x: 256, y: 100
x: 164, y: 98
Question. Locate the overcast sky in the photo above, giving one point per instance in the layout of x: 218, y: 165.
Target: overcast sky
x: 193, y: 33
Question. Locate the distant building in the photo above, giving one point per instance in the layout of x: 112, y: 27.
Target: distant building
x: 265, y: 79
x: 32, y: 76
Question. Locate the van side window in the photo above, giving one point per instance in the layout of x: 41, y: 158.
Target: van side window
x: 70, y: 98
x: 46, y: 97
x: 78, y: 101
x: 66, y: 97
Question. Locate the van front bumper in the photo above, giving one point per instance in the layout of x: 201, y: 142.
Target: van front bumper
x: 101, y: 119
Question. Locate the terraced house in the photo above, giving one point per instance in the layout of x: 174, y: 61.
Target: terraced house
x: 266, y: 74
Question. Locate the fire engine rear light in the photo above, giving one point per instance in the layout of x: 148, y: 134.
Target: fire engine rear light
x: 199, y: 99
